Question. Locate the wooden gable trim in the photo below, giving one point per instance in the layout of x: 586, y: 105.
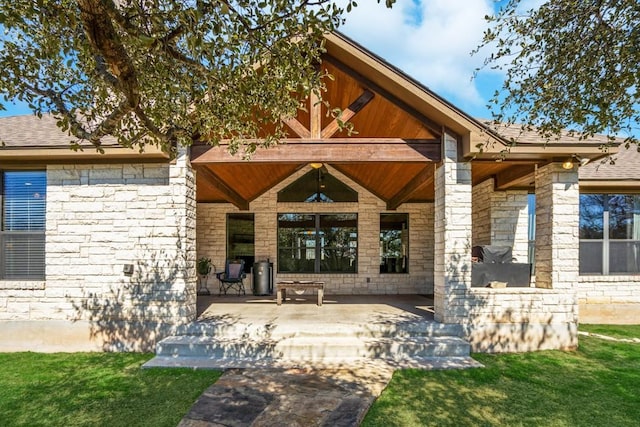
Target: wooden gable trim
x: 231, y: 195
x: 358, y: 181
x: 264, y: 190
x: 297, y: 127
x: 433, y: 126
x: 348, y: 113
x: 424, y: 177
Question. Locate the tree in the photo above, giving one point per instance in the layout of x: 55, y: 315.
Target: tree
x: 165, y: 72
x: 570, y: 64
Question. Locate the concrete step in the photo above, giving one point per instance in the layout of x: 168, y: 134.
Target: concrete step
x: 231, y: 330
x: 327, y: 363
x: 312, y: 349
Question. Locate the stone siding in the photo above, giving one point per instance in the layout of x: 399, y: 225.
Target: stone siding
x: 501, y: 218
x: 520, y: 319
x: 557, y: 227
x: 609, y: 299
x: 211, y: 240
x: 99, y: 218
x: 452, y: 230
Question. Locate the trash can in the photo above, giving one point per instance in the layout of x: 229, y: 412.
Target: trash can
x: 262, y: 278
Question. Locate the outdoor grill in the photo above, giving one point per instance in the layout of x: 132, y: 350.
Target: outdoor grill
x: 494, y: 264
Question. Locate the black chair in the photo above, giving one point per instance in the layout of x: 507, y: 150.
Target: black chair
x: 232, y: 277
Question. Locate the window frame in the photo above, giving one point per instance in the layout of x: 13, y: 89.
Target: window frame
x: 318, y: 247
x: 408, y: 243
x: 606, y: 240
x: 230, y: 239
x: 4, y: 233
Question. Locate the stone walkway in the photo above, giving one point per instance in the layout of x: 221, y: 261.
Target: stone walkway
x: 328, y: 395
x: 292, y: 397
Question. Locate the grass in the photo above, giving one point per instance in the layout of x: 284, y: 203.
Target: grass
x: 615, y: 331
x: 94, y: 389
x: 599, y: 384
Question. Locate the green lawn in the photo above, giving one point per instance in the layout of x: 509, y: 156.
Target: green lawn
x: 94, y: 389
x: 597, y: 385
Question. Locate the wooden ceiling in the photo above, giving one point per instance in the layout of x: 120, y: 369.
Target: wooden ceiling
x: 392, y: 152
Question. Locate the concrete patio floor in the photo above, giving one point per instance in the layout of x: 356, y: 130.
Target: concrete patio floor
x: 301, y: 314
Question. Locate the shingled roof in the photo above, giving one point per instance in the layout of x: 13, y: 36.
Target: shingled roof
x: 29, y: 131
x: 625, y: 167
x: 518, y: 133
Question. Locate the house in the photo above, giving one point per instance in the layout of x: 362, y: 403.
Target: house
x: 99, y: 250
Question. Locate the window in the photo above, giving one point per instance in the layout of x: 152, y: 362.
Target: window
x: 317, y: 186
x: 394, y: 243
x: 241, y: 239
x: 531, y: 231
x: 609, y: 234
x: 317, y: 243
x: 22, y: 232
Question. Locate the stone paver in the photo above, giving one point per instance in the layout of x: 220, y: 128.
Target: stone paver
x: 292, y: 397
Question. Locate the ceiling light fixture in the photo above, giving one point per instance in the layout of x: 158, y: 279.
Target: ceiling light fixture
x: 315, y: 165
x: 568, y: 164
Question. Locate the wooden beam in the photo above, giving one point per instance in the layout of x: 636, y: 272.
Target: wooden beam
x: 300, y: 151
x: 315, y: 110
x: 348, y: 113
x: 297, y: 127
x: 231, y: 195
x: 424, y: 177
x: 520, y: 175
x: 358, y: 181
x: 434, y: 127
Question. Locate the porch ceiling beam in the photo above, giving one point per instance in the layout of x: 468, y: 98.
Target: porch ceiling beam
x: 297, y: 127
x: 518, y: 175
x: 424, y: 177
x: 343, y: 151
x: 348, y: 113
x: 230, y: 194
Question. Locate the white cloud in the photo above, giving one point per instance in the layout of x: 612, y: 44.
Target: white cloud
x: 430, y: 40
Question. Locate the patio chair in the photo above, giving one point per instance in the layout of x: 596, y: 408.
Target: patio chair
x: 232, y: 277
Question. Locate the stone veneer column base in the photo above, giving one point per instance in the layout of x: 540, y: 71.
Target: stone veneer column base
x: 452, y: 233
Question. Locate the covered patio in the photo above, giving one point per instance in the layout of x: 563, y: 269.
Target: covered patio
x: 447, y: 182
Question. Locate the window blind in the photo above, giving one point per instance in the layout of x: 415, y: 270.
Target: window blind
x: 22, y: 236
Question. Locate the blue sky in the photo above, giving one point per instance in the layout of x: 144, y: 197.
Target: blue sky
x: 430, y: 40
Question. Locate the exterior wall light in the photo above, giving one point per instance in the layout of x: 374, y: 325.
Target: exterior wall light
x: 568, y: 164
x: 127, y: 269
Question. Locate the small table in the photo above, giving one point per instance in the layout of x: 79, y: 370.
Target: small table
x: 281, y: 289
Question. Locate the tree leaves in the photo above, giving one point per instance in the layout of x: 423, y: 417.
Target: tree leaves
x: 569, y: 64
x: 166, y: 72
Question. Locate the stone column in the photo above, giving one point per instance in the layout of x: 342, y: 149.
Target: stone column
x: 557, y: 227
x: 452, y: 232
x: 183, y: 189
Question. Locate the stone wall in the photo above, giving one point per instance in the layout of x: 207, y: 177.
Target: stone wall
x: 481, y: 213
x: 609, y: 299
x: 501, y: 218
x: 557, y: 227
x: 520, y: 319
x: 99, y: 218
x: 211, y: 240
